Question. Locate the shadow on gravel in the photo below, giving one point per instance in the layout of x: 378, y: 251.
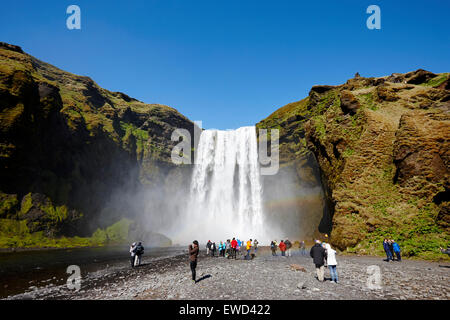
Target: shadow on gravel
x: 203, y: 278
x: 143, y: 265
x: 442, y: 266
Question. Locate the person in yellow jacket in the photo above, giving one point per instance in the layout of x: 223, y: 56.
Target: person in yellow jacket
x: 249, y: 247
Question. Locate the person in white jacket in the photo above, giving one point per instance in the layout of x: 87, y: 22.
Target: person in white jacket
x: 133, y: 253
x: 332, y: 263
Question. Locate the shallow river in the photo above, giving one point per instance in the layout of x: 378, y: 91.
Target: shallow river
x: 28, y: 270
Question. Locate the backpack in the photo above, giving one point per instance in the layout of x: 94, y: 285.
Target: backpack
x: 139, y: 250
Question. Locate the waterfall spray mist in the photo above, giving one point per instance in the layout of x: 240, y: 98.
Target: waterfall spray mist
x: 226, y: 193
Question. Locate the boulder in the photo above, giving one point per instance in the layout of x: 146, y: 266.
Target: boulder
x: 349, y: 103
x: 386, y: 93
x: 297, y: 267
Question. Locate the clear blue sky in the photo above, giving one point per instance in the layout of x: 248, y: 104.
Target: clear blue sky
x: 229, y: 63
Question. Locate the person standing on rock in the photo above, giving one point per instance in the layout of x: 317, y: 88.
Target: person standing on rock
x: 389, y: 257
x: 282, y: 248
x: 332, y: 263
x: 227, y: 248
x: 193, y: 254
x: 288, y: 247
x: 396, y: 249
x: 317, y: 252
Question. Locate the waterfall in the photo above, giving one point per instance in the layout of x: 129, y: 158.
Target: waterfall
x: 225, y: 198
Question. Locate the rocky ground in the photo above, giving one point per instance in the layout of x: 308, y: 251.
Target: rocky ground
x: 264, y: 277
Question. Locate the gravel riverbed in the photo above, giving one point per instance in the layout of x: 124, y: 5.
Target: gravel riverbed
x: 264, y: 277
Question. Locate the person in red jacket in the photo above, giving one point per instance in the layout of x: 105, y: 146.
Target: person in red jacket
x: 282, y: 248
x: 233, y: 247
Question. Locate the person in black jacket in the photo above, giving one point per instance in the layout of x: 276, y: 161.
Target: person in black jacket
x: 139, y: 250
x: 213, y: 249
x: 273, y: 247
x: 318, y: 254
x: 386, y: 248
x: 193, y: 254
x: 391, y: 248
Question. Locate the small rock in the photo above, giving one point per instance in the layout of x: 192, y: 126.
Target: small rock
x: 301, y: 285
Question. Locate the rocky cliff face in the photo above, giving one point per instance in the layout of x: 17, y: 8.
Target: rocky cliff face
x: 383, y: 147
x: 65, y: 141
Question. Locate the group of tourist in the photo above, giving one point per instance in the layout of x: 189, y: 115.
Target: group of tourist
x: 286, y: 247
x: 136, y: 251
x: 324, y: 256
x: 232, y: 248
x: 321, y: 253
x: 391, y: 247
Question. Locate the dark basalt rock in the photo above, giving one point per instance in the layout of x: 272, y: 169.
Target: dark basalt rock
x: 419, y: 76
x: 11, y: 47
x: 321, y: 88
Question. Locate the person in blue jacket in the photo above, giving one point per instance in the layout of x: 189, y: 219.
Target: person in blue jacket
x: 220, y: 248
x: 396, y: 248
x: 387, y: 250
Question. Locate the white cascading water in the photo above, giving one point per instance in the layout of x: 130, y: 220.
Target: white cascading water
x: 225, y: 199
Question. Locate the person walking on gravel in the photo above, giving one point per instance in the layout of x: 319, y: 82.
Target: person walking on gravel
x: 302, y: 247
x: 282, y: 248
x: 219, y: 249
x: 389, y: 256
x: 391, y: 248
x: 288, y: 247
x: 139, y: 251
x: 255, y: 245
x: 318, y: 254
x: 332, y: 263
x: 234, y: 245
x: 248, y: 247
x: 133, y: 253
x: 208, y: 247
x: 273, y: 247
x: 213, y: 249
x: 396, y: 248
x: 193, y: 254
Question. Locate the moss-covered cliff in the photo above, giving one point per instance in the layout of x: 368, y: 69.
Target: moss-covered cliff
x: 67, y: 146
x: 383, y: 148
